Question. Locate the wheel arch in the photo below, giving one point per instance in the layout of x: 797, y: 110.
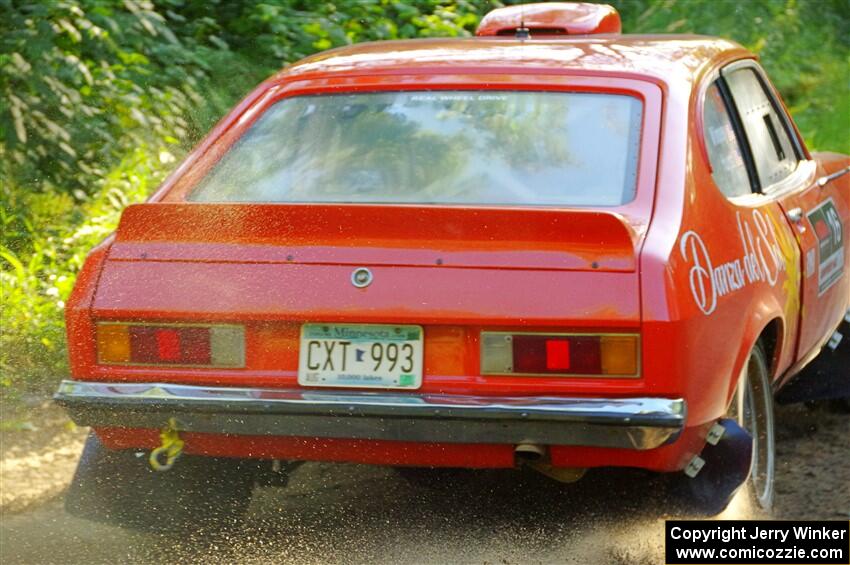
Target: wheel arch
x: 770, y: 331
x: 772, y: 337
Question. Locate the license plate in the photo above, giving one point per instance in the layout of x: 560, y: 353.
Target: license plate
x: 361, y: 356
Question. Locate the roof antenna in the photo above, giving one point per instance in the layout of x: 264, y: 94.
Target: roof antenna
x: 522, y: 32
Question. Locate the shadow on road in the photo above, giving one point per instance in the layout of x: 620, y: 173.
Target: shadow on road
x: 362, y: 514
x: 354, y: 513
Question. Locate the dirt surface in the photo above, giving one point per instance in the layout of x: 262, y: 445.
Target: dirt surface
x: 39, y: 448
x: 363, y: 514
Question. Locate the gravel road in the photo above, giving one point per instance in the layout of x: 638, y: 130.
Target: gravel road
x: 363, y: 514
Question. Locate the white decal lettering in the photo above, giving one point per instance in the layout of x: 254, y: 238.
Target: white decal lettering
x: 762, y: 260
x: 701, y: 278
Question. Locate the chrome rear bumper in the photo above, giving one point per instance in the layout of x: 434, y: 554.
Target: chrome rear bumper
x: 633, y: 423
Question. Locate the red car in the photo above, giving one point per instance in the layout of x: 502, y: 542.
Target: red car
x: 550, y: 244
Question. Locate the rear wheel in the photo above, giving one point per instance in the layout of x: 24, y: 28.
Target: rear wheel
x: 752, y: 408
x: 198, y: 493
x: 743, y: 456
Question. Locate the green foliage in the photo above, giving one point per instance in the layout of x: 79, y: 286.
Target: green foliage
x: 288, y: 30
x: 97, y: 97
x: 83, y: 83
x: 35, y: 284
x: 802, y: 45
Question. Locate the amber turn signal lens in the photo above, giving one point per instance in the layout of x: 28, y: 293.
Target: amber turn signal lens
x: 619, y: 355
x: 113, y: 343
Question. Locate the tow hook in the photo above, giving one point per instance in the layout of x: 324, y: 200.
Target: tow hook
x: 163, y: 457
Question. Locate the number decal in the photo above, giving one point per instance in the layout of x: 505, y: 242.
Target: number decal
x: 826, y: 224
x: 835, y: 222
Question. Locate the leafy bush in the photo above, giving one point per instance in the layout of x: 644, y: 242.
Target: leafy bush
x: 83, y: 83
x: 35, y: 285
x: 802, y: 45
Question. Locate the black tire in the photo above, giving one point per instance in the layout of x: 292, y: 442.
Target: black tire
x: 752, y: 407
x: 198, y: 493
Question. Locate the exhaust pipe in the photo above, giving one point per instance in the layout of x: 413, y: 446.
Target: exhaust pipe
x: 537, y: 457
x: 530, y: 452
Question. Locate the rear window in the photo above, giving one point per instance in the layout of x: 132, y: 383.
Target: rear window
x: 436, y: 147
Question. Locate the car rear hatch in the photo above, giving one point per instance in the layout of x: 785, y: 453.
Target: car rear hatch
x: 455, y: 271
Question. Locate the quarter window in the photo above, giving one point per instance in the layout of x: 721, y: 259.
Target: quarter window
x: 772, y: 149
x: 727, y: 162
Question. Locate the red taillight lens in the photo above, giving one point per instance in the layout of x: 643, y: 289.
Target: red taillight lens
x: 545, y: 354
x: 557, y: 354
x: 576, y: 355
x: 221, y: 346
x: 172, y: 345
x: 168, y: 345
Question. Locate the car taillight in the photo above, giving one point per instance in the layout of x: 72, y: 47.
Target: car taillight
x: 170, y: 344
x: 615, y: 355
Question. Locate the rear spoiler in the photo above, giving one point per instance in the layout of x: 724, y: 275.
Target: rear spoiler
x: 593, y: 239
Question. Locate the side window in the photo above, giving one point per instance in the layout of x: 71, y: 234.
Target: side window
x: 724, y: 152
x: 772, y: 149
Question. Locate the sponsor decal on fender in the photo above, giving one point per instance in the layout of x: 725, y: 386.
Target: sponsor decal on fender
x: 762, y: 261
x: 827, y: 227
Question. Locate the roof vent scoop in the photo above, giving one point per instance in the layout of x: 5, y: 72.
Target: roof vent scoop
x: 550, y: 19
